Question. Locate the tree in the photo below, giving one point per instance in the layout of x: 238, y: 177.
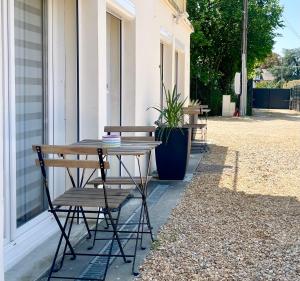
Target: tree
x: 289, y: 67
x: 271, y: 61
x: 216, y: 43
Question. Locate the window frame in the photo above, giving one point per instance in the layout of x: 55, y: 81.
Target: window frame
x: 20, y: 241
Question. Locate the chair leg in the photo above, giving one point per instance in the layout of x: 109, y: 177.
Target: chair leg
x: 135, y: 273
x: 142, y: 234
x: 62, y: 228
x: 64, y: 235
x: 111, y: 247
x: 106, y: 221
x: 115, y: 231
x: 86, y: 223
x: 65, y: 248
x: 96, y: 228
x: 148, y: 218
x: 109, y: 255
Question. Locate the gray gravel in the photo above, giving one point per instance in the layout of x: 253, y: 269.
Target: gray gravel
x: 239, y: 219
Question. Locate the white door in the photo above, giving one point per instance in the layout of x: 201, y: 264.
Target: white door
x: 114, y: 94
x: 30, y: 106
x: 29, y: 113
x: 113, y: 71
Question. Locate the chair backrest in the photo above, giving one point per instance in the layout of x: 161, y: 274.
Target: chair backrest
x: 59, y: 159
x: 192, y: 110
x: 60, y: 153
x: 147, y: 130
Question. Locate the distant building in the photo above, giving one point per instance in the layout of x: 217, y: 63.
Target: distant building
x: 266, y: 75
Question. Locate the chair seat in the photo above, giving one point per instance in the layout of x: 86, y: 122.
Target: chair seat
x: 118, y: 181
x: 195, y: 126
x: 92, y: 197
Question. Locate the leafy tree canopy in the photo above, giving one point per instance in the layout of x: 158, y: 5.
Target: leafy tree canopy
x: 216, y: 43
x: 271, y: 61
x: 288, y: 68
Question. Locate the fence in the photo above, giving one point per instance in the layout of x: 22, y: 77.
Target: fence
x: 271, y: 98
x: 295, y: 98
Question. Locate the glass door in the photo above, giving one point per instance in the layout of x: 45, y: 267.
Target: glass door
x: 176, y: 68
x: 114, y: 93
x: 161, y: 74
x: 113, y: 71
x: 30, y: 106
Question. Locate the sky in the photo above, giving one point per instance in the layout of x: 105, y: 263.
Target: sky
x: 290, y: 38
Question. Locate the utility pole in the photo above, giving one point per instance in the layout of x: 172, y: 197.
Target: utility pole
x: 243, y: 101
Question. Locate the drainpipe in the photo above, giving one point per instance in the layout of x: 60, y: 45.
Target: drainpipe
x: 243, y: 105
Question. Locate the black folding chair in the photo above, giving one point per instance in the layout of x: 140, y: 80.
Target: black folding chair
x: 74, y: 201
x: 133, y: 134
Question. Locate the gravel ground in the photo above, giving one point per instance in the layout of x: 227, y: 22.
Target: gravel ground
x: 240, y: 217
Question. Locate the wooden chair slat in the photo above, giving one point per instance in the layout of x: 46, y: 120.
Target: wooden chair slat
x: 195, y: 126
x: 117, y: 181
x: 66, y: 163
x: 126, y: 152
x: 82, y: 197
x: 93, y: 191
x: 69, y: 149
x: 129, y: 129
x: 138, y: 138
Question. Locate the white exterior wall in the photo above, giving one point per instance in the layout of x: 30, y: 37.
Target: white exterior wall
x: 145, y: 24
x: 155, y: 24
x: 1, y: 149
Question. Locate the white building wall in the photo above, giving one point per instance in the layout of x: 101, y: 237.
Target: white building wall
x: 147, y: 62
x: 92, y: 67
x: 145, y: 24
x: 1, y: 147
x: 155, y: 23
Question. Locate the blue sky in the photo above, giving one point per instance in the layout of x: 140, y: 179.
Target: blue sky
x: 291, y: 32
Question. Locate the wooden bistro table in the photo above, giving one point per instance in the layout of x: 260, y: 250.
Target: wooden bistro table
x: 193, y: 112
x: 136, y: 149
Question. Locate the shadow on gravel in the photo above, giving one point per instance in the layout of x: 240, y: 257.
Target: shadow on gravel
x: 257, y: 233
x: 216, y: 165
x: 214, y: 162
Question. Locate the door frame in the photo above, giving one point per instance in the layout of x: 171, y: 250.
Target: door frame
x: 21, y: 241
x: 121, y: 64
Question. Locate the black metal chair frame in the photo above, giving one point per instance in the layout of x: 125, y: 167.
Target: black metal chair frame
x: 144, y: 217
x: 74, y: 210
x: 142, y: 187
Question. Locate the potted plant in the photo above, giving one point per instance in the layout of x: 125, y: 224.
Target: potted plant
x: 172, y: 154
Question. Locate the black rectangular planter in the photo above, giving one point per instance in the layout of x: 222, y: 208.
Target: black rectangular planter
x: 171, y: 155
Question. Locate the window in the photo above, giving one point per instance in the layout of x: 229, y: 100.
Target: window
x: 114, y: 98
x: 161, y: 75
x: 176, y: 68
x: 30, y: 106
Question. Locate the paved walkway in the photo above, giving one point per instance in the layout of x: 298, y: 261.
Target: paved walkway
x: 163, y: 197
x: 240, y: 217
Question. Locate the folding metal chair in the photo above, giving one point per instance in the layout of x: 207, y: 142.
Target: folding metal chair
x: 139, y: 181
x: 75, y: 200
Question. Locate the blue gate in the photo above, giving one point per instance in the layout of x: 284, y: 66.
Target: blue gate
x: 271, y: 98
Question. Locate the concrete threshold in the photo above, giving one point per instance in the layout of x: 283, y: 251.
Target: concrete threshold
x: 163, y: 197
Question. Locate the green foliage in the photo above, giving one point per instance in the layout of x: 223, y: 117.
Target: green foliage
x: 171, y: 115
x: 216, y: 43
x: 291, y: 84
x: 272, y: 60
x: 289, y: 68
x: 269, y: 84
x: 194, y: 102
